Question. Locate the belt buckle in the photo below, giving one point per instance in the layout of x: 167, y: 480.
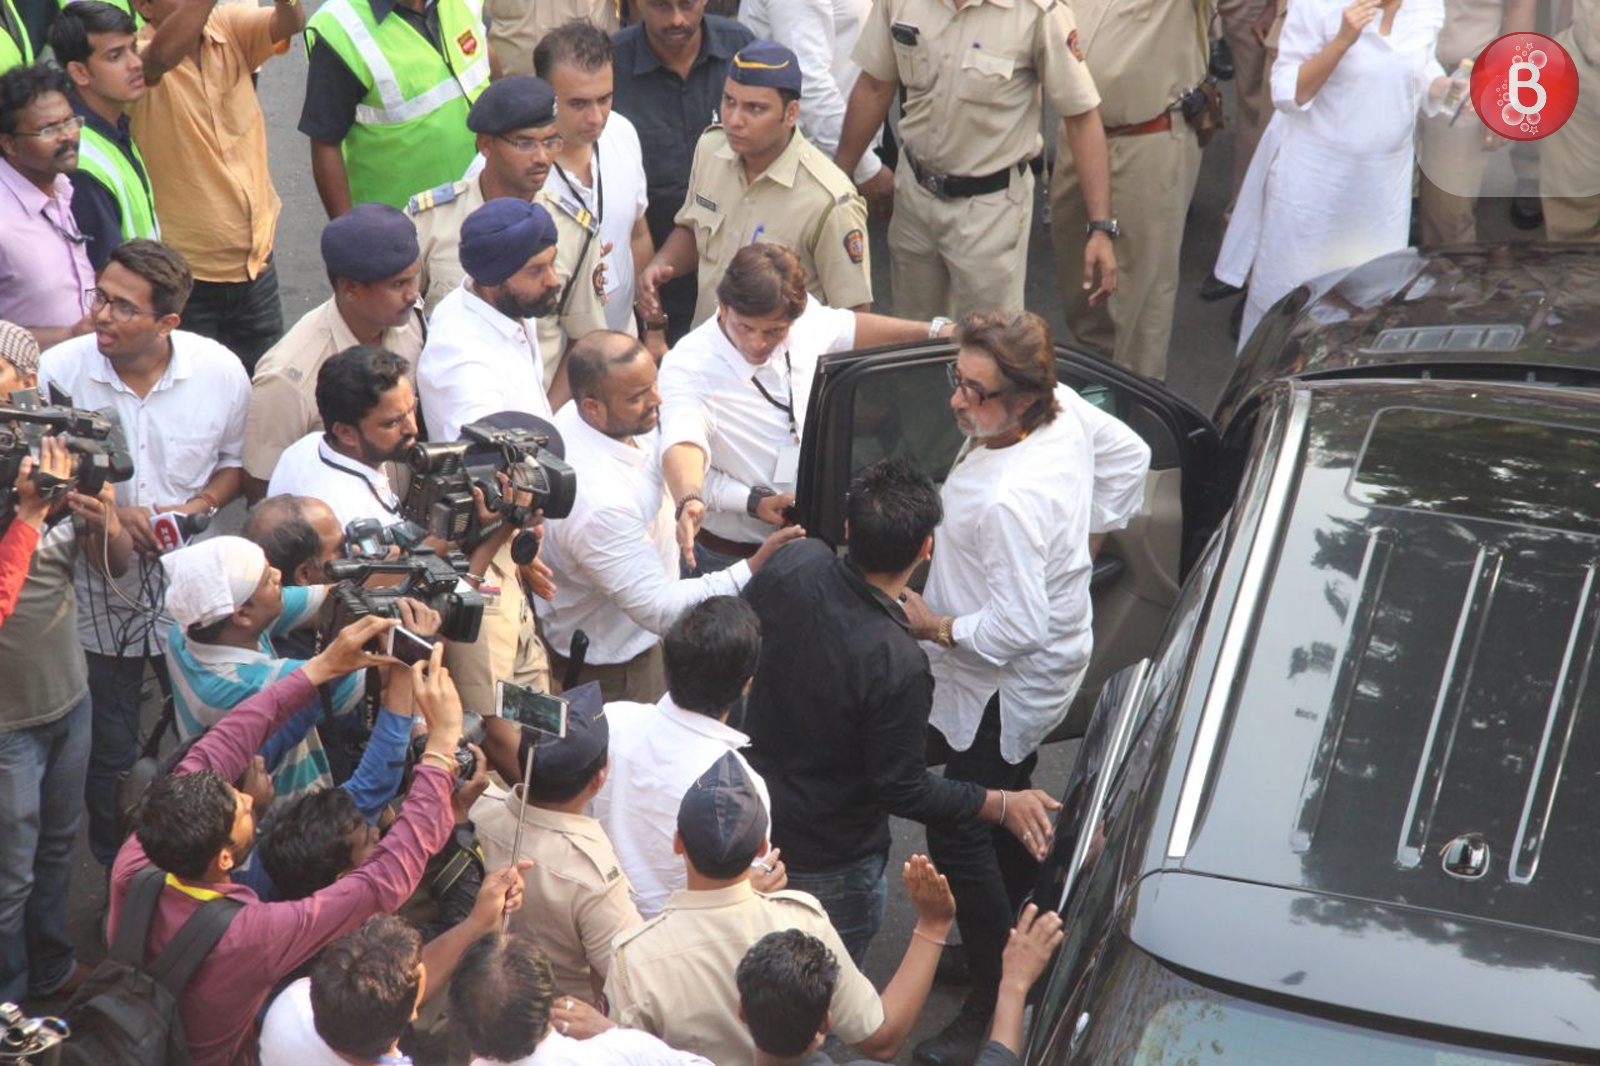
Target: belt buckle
x: 934, y: 183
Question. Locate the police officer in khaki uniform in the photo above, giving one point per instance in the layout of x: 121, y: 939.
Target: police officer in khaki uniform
x: 1452, y: 158
x: 1571, y: 162
x: 579, y: 893
x: 371, y: 255
x: 673, y: 976
x: 963, y: 198
x: 514, y: 121
x: 1143, y: 60
x: 757, y: 178
x: 517, y: 26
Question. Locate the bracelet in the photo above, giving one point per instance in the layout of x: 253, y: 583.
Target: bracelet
x: 946, y: 636
x: 211, y: 501
x: 1002, y: 806
x: 918, y: 932
x: 685, y: 500
x: 476, y: 579
x: 446, y: 763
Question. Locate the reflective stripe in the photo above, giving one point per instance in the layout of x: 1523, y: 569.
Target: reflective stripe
x: 383, y: 78
x: 205, y: 895
x: 91, y: 152
x: 134, y: 204
x: 427, y: 103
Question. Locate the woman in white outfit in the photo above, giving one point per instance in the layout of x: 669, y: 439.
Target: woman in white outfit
x: 1330, y: 184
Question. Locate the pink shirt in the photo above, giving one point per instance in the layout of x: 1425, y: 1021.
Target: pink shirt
x: 267, y: 941
x: 45, y: 275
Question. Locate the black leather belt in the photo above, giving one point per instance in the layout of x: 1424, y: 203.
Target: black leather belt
x: 723, y: 546
x: 950, y: 187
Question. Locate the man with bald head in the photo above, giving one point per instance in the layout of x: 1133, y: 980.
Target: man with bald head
x: 615, y: 558
x: 300, y: 534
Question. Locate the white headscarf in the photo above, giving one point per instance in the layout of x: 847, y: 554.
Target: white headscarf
x: 210, y: 580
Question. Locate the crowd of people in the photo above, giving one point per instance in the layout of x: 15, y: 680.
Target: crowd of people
x: 629, y: 233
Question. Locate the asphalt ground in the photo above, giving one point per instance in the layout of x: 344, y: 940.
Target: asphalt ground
x: 1200, y: 361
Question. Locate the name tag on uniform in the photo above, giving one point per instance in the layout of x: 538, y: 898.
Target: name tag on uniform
x: 787, y: 468
x: 490, y: 594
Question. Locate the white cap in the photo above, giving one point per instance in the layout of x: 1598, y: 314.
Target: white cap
x: 208, y: 581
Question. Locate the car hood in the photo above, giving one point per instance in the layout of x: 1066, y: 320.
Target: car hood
x: 1457, y: 311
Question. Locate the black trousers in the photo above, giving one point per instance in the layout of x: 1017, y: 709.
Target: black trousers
x: 244, y: 317
x: 989, y: 870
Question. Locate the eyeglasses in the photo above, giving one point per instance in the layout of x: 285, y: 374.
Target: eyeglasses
x: 551, y: 144
x: 55, y: 129
x: 974, y: 392
x: 121, y: 310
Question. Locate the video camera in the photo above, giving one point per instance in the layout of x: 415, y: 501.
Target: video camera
x: 95, y: 438
x: 368, y: 538
x: 428, y: 579
x: 443, y: 476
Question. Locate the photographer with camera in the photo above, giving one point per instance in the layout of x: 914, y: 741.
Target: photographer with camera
x: 228, y: 604
x: 369, y: 417
x: 181, y: 401
x: 196, y: 828
x: 44, y: 713
x: 614, y: 558
x: 300, y: 535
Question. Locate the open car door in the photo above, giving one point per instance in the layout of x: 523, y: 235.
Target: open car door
x: 879, y: 402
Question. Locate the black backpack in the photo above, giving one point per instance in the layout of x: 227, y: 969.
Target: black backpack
x: 126, y: 1013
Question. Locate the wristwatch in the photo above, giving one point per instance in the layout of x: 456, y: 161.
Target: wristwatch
x: 757, y: 494
x: 1108, y: 226
x: 936, y: 325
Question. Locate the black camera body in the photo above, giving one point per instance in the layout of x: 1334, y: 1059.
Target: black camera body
x: 472, y: 731
x: 368, y: 538
x: 428, y: 579
x: 94, y: 437
x: 443, y: 475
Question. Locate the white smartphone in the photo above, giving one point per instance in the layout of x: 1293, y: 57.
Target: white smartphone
x: 536, y: 710
x: 406, y: 646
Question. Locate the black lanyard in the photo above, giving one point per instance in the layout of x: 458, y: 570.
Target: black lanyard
x: 358, y: 476
x: 786, y: 408
x: 599, y: 185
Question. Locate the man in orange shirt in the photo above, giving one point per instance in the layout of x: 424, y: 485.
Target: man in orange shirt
x: 205, y: 147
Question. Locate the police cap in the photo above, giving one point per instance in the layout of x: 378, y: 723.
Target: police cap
x: 767, y: 64
x: 517, y: 102
x: 369, y: 242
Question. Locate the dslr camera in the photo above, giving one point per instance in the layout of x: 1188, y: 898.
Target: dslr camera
x: 95, y: 438
x: 425, y: 577
x: 472, y: 731
x: 443, y: 476
x: 368, y: 538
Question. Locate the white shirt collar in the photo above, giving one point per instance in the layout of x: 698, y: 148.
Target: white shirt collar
x: 696, y: 722
x: 503, y: 324
x: 178, y: 367
x: 743, y: 368
x: 374, y: 476
x: 636, y: 454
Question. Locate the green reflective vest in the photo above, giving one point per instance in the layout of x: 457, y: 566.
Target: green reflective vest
x: 411, y: 130
x: 14, y: 53
x: 126, y: 6
x: 103, y: 158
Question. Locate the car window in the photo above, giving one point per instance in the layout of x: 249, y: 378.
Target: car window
x: 905, y: 411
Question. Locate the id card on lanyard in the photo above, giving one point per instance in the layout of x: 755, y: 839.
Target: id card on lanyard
x: 787, y: 467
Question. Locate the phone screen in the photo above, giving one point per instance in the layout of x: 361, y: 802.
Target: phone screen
x: 536, y: 710
x: 407, y: 646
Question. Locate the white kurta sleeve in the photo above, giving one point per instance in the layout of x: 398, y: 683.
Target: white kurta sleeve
x: 1306, y: 31
x: 1016, y: 618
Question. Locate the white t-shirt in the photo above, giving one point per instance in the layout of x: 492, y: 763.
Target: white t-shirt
x: 289, y: 1032
x: 614, y: 1047
x: 309, y: 467
x: 622, y: 182
x: 477, y: 362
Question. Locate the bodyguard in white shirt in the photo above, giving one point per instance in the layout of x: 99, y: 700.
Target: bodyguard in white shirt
x: 482, y: 353
x: 734, y: 394
x: 369, y: 414
x: 182, y: 401
x: 1008, y: 611
x: 601, y: 164
x: 659, y: 750
x: 613, y: 560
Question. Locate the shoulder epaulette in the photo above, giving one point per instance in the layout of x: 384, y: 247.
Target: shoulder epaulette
x: 431, y: 198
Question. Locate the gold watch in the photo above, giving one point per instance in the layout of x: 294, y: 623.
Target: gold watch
x: 946, y: 636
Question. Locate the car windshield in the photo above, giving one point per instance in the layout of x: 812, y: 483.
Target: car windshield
x: 1166, y: 1020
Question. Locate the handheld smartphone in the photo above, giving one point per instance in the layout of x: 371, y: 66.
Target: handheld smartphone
x: 406, y: 646
x: 536, y: 710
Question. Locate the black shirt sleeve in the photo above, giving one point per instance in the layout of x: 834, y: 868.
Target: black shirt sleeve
x: 332, y: 93
x: 895, y: 737
x: 98, y: 215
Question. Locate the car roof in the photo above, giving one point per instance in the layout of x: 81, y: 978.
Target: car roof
x: 1464, y: 311
x: 1420, y: 666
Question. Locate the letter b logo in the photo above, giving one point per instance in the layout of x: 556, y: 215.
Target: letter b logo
x: 1524, y: 86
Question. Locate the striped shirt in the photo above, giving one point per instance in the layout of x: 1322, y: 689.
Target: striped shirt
x: 209, y: 680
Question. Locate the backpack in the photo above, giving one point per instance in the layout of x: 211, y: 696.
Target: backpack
x: 126, y: 1013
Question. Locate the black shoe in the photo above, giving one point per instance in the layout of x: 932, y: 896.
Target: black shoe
x: 959, y: 1042
x: 953, y: 969
x: 1222, y: 66
x: 1527, y: 212
x: 1214, y: 288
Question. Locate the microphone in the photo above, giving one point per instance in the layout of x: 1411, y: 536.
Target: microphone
x: 173, y: 529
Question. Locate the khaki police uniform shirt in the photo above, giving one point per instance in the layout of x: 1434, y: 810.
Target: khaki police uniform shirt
x: 439, y: 214
x: 577, y: 897
x: 517, y: 26
x: 673, y: 976
x: 283, y: 394
x: 973, y: 76
x: 1469, y: 26
x: 1143, y: 54
x: 801, y: 200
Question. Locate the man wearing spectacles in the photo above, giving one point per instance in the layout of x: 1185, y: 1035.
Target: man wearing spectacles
x: 514, y: 122
x: 45, y: 274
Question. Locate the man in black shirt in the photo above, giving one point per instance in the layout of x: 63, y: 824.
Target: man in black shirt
x: 838, y: 713
x: 669, y: 70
